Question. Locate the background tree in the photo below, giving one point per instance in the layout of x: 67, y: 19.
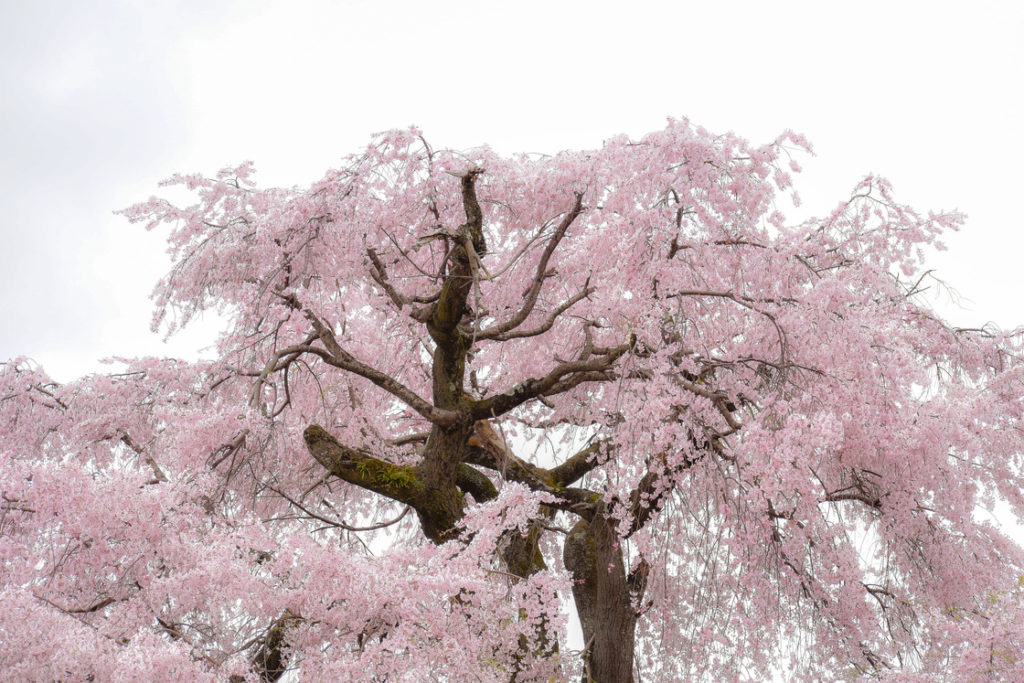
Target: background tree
x: 618, y: 377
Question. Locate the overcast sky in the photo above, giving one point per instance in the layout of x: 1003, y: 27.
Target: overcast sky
x: 101, y: 100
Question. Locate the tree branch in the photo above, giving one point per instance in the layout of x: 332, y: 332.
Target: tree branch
x: 548, y: 322
x: 855, y: 495
x: 332, y: 522
x: 335, y: 355
x: 483, y: 451
x: 158, y: 474
x: 575, y: 467
x: 380, y: 275
x: 450, y: 306
x: 270, y: 661
x: 530, y: 297
x: 645, y: 499
x: 562, y: 378
x: 475, y: 482
x: 397, y: 482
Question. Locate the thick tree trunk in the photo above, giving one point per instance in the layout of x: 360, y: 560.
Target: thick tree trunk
x: 602, y: 592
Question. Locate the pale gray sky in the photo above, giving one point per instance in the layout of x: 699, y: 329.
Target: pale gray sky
x: 101, y: 100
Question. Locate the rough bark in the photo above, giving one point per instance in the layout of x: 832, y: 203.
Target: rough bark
x: 604, y: 600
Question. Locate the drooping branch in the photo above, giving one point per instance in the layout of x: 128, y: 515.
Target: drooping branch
x: 338, y: 524
x: 78, y: 612
x: 227, y: 450
x: 748, y: 303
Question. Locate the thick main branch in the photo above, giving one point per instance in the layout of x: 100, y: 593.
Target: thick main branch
x: 445, y: 314
x: 398, y: 482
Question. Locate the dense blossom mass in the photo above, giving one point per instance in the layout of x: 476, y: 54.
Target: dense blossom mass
x: 462, y: 398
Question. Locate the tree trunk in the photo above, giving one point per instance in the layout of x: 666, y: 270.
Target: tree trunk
x: 603, y: 595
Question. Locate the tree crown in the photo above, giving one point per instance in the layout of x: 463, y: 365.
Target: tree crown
x: 620, y: 363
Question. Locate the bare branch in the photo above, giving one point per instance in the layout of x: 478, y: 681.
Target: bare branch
x: 380, y: 275
x: 95, y: 607
x: 548, y: 322
x: 531, y: 294
x: 418, y: 437
x: 13, y: 504
x: 333, y: 522
x: 158, y: 474
x: 719, y: 399
x: 855, y: 495
x: 562, y: 378
x: 338, y: 357
x: 46, y: 392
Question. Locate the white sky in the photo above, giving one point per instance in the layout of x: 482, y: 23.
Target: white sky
x: 101, y: 100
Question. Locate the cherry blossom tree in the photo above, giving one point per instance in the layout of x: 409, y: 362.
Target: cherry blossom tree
x: 461, y: 396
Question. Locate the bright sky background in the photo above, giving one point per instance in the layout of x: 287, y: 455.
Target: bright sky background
x: 102, y: 99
